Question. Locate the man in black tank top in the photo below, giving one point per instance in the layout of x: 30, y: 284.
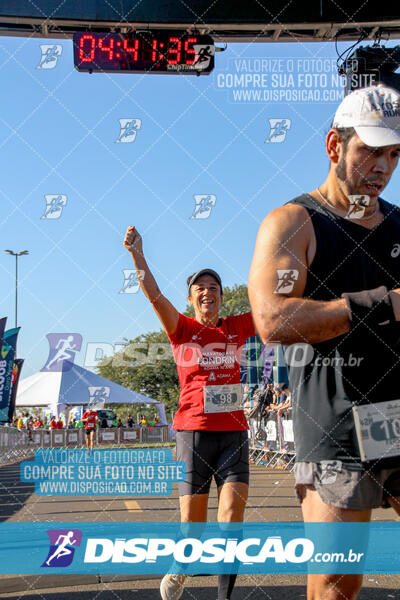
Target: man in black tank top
x: 325, y: 283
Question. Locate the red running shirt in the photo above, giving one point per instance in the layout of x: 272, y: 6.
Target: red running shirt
x: 208, y: 356
x: 91, y: 416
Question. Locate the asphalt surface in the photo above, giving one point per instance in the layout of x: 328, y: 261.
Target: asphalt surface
x: 272, y: 498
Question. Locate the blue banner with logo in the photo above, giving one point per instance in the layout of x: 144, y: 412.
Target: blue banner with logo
x: 7, y: 354
x: 16, y: 373
x: 198, y: 548
x: 3, y: 322
x: 251, y: 364
x: 281, y: 368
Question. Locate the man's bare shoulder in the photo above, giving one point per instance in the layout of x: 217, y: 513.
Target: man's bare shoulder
x: 289, y: 219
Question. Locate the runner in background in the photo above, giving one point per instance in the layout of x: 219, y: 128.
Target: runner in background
x: 325, y: 281
x: 211, y: 426
x: 89, y: 418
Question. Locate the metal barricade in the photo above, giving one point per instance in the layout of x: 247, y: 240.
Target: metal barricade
x: 46, y: 440
x: 57, y: 438
x: 257, y: 440
x: 166, y: 433
x: 37, y: 437
x: 15, y: 444
x: 108, y: 436
x: 287, y: 438
x: 130, y: 436
x: 73, y: 437
x: 152, y: 435
x: 272, y: 443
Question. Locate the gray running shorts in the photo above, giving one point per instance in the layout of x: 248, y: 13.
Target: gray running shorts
x: 223, y: 455
x: 345, y: 488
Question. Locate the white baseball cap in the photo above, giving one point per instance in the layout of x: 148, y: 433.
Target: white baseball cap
x: 374, y: 112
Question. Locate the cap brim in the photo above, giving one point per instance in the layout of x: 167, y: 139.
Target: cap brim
x: 211, y: 272
x: 378, y: 136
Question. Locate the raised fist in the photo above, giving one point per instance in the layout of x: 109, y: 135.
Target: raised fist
x: 133, y: 240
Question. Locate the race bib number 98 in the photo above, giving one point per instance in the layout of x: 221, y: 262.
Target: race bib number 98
x: 222, y: 398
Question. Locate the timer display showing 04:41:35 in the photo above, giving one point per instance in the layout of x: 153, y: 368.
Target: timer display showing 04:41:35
x: 144, y: 52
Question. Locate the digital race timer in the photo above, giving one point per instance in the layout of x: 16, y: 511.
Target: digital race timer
x: 144, y: 51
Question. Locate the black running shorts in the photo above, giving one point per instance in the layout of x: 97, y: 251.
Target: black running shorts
x: 223, y: 455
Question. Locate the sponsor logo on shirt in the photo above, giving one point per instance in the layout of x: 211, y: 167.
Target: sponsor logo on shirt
x: 213, y: 359
x: 395, y: 251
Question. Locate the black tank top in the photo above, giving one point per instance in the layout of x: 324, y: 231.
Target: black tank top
x: 362, y: 366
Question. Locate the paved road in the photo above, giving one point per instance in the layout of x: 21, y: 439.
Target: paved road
x: 271, y: 498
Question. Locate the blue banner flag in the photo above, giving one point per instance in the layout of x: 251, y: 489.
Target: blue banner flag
x: 3, y: 322
x: 7, y: 354
x: 198, y: 548
x: 16, y: 373
x: 281, y: 368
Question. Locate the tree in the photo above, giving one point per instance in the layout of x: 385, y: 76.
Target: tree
x: 147, y: 365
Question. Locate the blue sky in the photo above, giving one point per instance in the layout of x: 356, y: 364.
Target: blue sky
x: 58, y: 132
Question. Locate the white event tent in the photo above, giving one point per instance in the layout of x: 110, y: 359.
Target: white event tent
x: 76, y: 386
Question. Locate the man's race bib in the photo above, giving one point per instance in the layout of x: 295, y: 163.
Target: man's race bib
x: 222, y: 398
x: 378, y: 429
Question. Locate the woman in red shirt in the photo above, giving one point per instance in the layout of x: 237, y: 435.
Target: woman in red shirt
x: 211, y: 427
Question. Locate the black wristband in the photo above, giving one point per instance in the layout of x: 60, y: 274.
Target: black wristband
x: 372, y: 307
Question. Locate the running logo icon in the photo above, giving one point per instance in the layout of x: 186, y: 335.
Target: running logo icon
x: 357, y: 206
x: 54, y: 206
x: 204, y: 54
x: 98, y: 395
x: 278, y: 130
x: 131, y: 283
x: 50, y: 55
x: 128, y: 130
x: 329, y: 471
x: 204, y: 203
x: 63, y: 543
x: 62, y: 348
x: 286, y: 280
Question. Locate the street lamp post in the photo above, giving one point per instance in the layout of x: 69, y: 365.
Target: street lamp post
x: 16, y: 254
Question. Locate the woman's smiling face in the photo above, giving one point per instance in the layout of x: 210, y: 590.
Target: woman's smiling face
x: 205, y: 296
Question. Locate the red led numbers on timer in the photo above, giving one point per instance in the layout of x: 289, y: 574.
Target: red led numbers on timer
x: 189, y: 52
x: 134, y: 51
x: 104, y: 48
x: 157, y: 56
x: 83, y: 48
x: 175, y: 51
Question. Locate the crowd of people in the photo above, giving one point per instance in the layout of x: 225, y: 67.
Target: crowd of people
x: 30, y: 422
x: 267, y: 400
x: 27, y: 421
